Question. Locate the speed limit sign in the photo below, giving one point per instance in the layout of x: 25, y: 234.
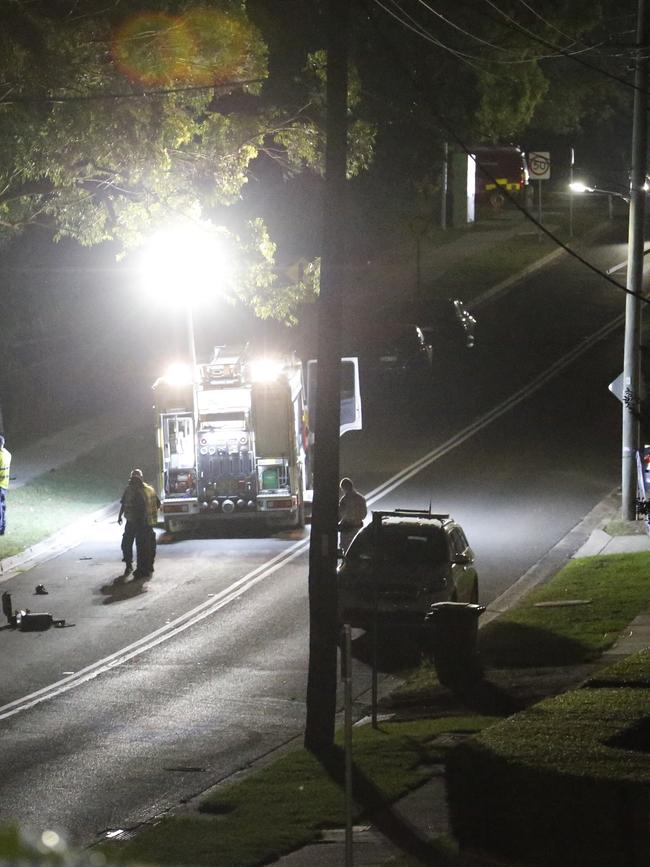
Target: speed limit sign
x: 539, y: 165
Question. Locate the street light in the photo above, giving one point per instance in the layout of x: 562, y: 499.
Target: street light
x: 580, y: 187
x: 183, y: 265
x: 632, y: 340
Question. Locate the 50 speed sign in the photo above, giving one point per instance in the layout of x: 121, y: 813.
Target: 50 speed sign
x: 539, y: 165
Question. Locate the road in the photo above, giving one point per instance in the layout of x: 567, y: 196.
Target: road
x: 152, y: 696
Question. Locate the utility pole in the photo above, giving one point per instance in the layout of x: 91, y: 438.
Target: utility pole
x: 323, y: 617
x: 444, y: 178
x: 631, y: 351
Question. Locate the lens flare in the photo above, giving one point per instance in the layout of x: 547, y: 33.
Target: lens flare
x: 202, y: 46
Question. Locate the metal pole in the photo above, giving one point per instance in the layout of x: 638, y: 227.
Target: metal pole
x: 572, y: 163
x: 631, y: 353
x: 347, y: 689
x: 191, y: 342
x: 444, y: 180
x: 375, y: 648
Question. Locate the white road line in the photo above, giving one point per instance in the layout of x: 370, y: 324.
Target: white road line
x: 264, y: 570
x: 169, y: 630
x: 496, y: 412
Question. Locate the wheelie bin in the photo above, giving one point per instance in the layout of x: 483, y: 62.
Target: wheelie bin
x: 452, y: 637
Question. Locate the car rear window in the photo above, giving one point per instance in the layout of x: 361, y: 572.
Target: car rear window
x: 402, y: 545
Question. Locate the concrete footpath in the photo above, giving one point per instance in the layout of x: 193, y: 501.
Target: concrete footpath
x: 411, y: 824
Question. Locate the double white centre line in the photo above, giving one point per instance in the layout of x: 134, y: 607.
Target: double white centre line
x: 260, y: 573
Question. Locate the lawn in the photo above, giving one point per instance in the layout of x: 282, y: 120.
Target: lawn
x: 58, y: 498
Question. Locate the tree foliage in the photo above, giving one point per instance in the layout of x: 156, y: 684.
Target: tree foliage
x: 494, y: 71
x: 116, y: 119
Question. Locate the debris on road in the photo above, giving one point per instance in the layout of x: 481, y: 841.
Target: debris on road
x: 26, y: 620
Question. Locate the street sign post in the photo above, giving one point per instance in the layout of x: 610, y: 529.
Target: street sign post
x: 539, y: 168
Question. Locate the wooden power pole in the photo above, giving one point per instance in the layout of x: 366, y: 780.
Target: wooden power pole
x: 323, y: 625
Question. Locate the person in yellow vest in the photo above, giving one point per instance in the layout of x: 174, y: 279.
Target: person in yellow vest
x: 5, y: 463
x: 139, y: 505
x: 145, y: 539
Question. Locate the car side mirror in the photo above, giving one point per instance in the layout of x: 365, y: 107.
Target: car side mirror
x: 462, y: 559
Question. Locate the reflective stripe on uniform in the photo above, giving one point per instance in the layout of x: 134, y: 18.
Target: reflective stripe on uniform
x: 5, y: 463
x: 151, y: 502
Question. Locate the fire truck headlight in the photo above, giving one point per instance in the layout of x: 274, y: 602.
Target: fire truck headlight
x: 265, y: 369
x: 228, y: 506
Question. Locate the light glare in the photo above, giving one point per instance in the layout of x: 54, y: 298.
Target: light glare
x: 579, y: 187
x: 178, y: 374
x: 184, y: 265
x: 265, y: 369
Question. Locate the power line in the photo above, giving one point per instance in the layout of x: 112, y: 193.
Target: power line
x: 146, y: 94
x: 471, y: 60
x: 450, y: 131
x: 511, y: 24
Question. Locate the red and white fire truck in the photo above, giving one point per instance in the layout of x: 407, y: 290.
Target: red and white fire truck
x: 234, y: 438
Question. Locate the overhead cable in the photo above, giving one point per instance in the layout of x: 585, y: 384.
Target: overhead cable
x: 453, y: 135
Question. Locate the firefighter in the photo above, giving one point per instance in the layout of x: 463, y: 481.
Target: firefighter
x: 5, y: 463
x: 146, y: 541
x: 132, y: 507
x: 352, y: 511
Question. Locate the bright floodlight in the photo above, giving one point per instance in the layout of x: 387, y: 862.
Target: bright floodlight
x: 182, y: 265
x: 579, y: 187
x: 266, y: 369
x: 178, y: 374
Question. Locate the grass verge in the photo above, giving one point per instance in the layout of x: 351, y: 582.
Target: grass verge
x: 574, y: 617
x: 481, y: 271
x: 565, y: 782
x: 58, y: 498
x: 289, y: 803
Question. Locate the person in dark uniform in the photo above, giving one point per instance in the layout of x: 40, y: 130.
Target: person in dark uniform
x: 132, y: 507
x: 352, y: 511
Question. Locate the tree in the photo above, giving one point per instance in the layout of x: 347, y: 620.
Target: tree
x: 116, y: 120
x: 487, y: 72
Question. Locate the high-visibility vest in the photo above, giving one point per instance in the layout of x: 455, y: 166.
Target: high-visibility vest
x: 151, y: 502
x: 5, y: 463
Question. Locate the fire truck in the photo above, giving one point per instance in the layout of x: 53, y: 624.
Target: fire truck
x: 234, y: 438
x: 498, y: 168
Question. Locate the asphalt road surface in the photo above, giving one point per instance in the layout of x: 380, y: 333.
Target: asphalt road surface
x: 155, y: 691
